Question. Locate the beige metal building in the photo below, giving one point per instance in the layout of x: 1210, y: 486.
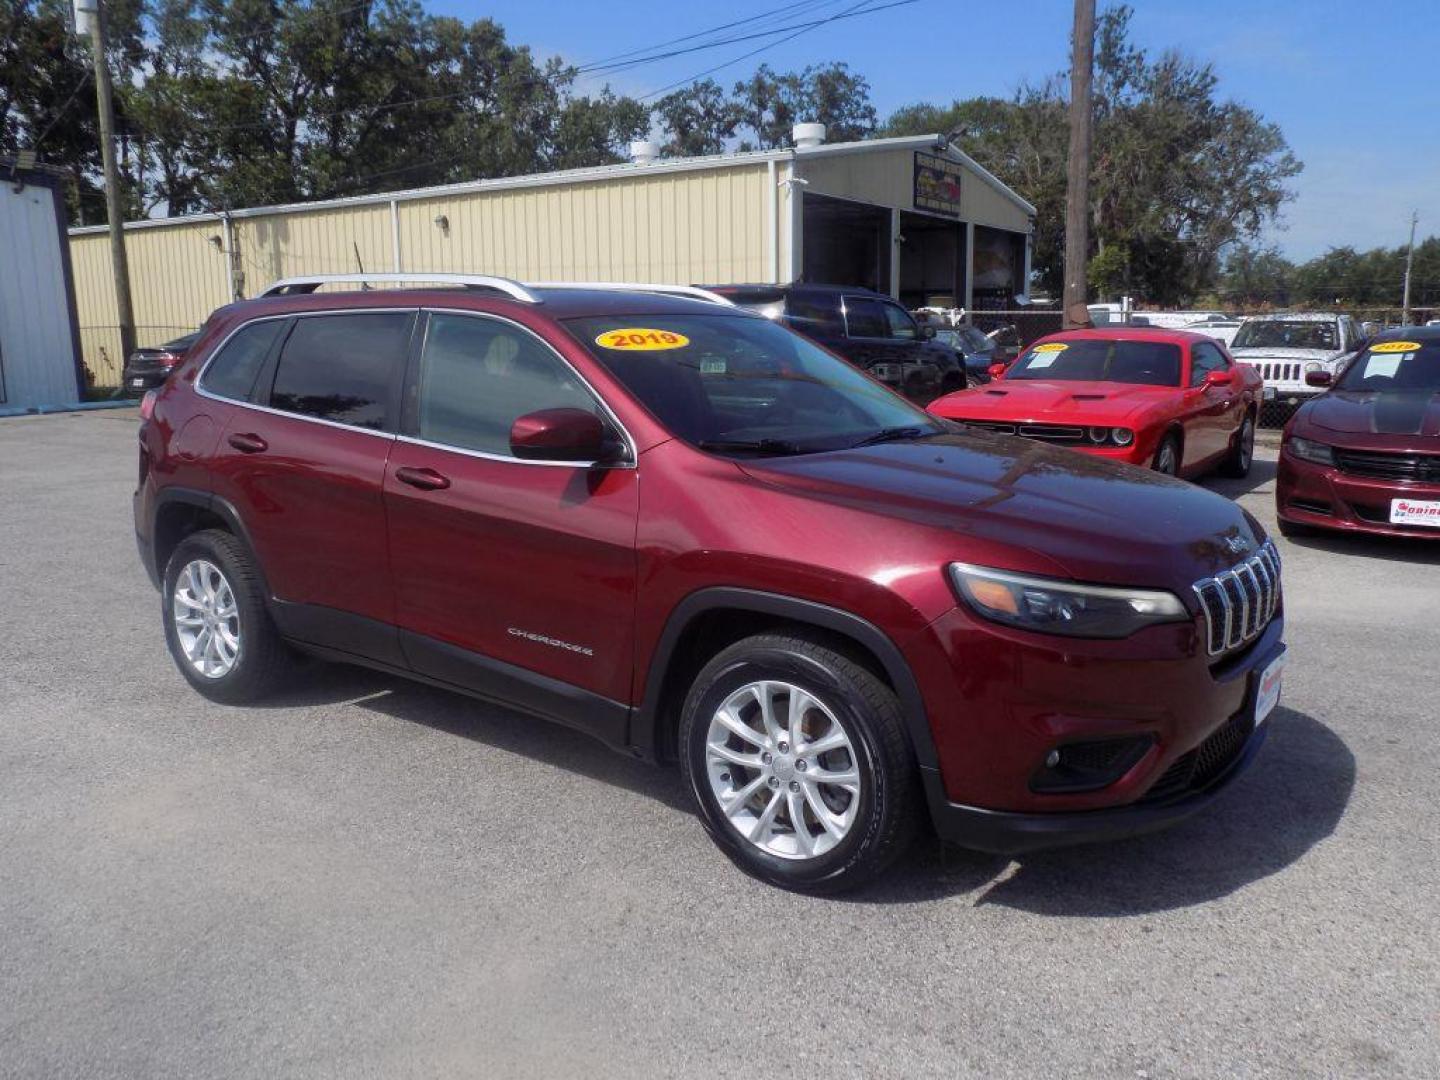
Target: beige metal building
x: 913, y: 217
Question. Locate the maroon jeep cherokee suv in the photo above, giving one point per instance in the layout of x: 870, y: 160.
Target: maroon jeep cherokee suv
x: 699, y: 536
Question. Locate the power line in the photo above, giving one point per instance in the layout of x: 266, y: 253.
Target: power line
x: 84, y: 78
x: 793, y: 31
x: 792, y: 9
x: 848, y: 13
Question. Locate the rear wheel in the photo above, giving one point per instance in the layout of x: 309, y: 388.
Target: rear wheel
x: 1167, y: 458
x: 799, y: 761
x: 1242, y: 455
x: 220, y: 635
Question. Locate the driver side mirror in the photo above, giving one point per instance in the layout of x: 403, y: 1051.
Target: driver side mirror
x: 1318, y: 378
x: 996, y: 370
x: 562, y: 435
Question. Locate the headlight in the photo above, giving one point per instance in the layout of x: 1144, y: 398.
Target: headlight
x: 1122, y: 436
x: 1313, y: 365
x: 1052, y: 606
x: 1099, y: 434
x: 1316, y: 452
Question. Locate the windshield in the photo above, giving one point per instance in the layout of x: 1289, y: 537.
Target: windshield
x: 976, y: 341
x: 1146, y: 363
x: 1396, y: 365
x: 744, y: 385
x: 1281, y: 334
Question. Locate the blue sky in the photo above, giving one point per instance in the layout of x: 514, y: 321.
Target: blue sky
x: 1350, y: 83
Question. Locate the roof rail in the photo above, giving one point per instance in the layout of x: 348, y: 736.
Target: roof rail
x: 309, y: 283
x: 692, y: 291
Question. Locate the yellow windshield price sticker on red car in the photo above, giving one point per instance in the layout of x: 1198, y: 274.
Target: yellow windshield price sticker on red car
x: 1395, y: 346
x: 641, y: 339
x: 1053, y: 346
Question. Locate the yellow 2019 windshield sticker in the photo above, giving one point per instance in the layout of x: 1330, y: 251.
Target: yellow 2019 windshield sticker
x: 1395, y: 346
x: 1053, y: 346
x: 641, y: 339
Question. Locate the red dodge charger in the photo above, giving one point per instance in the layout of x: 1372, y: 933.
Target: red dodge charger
x: 1168, y: 399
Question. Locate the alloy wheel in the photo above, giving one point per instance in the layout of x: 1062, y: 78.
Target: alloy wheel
x: 783, y: 769
x: 1167, y: 463
x: 207, y: 618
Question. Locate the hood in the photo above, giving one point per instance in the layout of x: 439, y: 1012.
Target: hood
x: 1053, y: 402
x: 1377, y: 412
x: 1273, y: 352
x: 1093, y: 519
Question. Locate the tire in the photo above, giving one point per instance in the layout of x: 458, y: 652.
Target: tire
x: 1242, y: 456
x: 870, y: 821
x: 246, y: 658
x: 1169, y: 465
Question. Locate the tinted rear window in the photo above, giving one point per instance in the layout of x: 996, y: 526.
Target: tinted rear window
x: 231, y: 374
x: 341, y: 367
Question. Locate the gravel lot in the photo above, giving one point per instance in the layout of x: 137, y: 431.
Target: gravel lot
x: 369, y: 877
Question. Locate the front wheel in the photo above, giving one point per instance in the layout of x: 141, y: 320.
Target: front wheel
x: 1242, y: 455
x: 799, y: 761
x: 1167, y: 458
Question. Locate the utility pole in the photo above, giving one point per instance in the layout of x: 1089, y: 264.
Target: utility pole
x: 1409, y: 261
x: 1077, y: 185
x: 119, y: 264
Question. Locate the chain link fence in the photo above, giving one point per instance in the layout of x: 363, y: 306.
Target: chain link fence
x: 102, y: 359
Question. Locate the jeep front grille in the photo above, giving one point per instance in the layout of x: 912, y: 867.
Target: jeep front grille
x: 1239, y: 602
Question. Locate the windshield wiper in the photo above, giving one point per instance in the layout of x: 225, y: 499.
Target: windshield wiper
x: 758, y: 446
x: 896, y: 434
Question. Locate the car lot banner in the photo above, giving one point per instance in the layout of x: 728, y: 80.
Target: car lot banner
x: 937, y: 185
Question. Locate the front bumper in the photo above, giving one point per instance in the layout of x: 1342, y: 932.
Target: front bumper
x: 1322, y: 496
x: 1015, y: 703
x: 1004, y: 833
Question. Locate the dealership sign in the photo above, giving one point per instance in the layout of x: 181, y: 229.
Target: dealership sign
x: 937, y: 185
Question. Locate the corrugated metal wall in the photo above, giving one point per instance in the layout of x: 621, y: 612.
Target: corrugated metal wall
x: 177, y: 277
x: 37, y: 349
x: 706, y: 225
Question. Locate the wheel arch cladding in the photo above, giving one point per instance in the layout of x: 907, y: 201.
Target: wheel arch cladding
x: 181, y: 512
x: 709, y: 620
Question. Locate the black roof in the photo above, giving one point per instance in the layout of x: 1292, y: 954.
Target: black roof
x: 1409, y: 333
x: 758, y: 291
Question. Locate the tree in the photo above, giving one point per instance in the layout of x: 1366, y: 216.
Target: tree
x: 771, y: 103
x: 1177, y: 177
x: 697, y: 119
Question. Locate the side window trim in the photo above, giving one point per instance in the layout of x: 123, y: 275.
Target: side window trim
x: 393, y: 401
x: 270, y: 354
x: 845, y: 318
x: 410, y: 418
x: 266, y: 375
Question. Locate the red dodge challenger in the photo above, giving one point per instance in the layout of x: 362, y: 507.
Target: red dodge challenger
x: 1167, y: 399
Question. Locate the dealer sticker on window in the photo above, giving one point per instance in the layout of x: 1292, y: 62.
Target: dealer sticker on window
x: 1051, y: 346
x: 1415, y: 512
x: 1395, y: 346
x: 641, y: 339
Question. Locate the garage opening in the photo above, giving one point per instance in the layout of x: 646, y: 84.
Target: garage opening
x: 931, y: 261
x: 845, y: 243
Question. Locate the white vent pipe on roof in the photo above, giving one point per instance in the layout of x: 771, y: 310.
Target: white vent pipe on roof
x: 807, y: 135
x: 644, y: 152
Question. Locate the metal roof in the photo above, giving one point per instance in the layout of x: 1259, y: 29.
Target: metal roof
x: 620, y: 171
